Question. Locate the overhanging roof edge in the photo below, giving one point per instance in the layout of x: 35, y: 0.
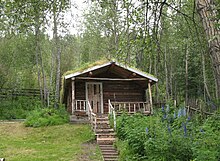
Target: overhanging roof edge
x: 109, y: 63
x: 87, y: 70
x: 138, y: 72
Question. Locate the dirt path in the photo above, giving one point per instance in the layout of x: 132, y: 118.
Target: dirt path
x: 91, y: 152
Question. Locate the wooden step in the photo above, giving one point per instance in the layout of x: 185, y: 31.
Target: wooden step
x: 102, y: 118
x: 106, y: 135
x: 102, y: 122
x: 113, y: 153
x: 109, y: 149
x: 108, y: 141
x: 110, y: 159
x: 106, y: 147
x: 103, y: 126
x: 98, y: 131
x: 110, y: 154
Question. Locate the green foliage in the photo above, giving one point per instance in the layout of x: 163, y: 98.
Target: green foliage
x: 47, y: 117
x: 17, y: 108
x: 168, y: 135
x: 207, y: 141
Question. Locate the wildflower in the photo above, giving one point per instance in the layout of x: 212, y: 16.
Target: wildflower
x: 184, y: 111
x: 174, y: 115
x: 179, y: 112
x: 188, y: 119
x: 184, y: 129
x: 167, y: 109
x: 162, y: 108
x: 202, y: 131
x: 146, y: 130
x: 169, y: 129
x: 165, y: 116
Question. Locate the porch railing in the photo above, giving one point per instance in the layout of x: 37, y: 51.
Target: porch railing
x: 80, y: 105
x: 132, y: 107
x: 112, y: 113
x: 92, y: 117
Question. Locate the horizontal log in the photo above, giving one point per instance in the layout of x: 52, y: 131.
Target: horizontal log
x: 198, y: 110
x: 112, y: 79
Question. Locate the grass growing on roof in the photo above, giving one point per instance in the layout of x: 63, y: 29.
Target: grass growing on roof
x: 86, y: 66
x: 63, y: 142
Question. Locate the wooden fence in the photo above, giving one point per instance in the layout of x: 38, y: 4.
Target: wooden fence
x: 193, y: 110
x: 7, y: 93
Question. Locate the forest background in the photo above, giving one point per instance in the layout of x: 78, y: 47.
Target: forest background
x: 176, y: 41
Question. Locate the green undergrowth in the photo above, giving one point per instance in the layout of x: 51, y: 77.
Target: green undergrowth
x: 62, y: 142
x: 169, y: 135
x: 47, y: 117
x: 17, y: 108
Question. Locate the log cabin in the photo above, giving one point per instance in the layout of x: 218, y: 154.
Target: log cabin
x: 108, y: 85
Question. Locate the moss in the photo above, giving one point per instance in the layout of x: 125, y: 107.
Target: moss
x: 86, y: 66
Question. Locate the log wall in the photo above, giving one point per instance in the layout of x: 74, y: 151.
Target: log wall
x: 122, y: 91
x: 119, y: 91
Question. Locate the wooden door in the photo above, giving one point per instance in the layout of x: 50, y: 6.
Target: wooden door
x: 94, y: 96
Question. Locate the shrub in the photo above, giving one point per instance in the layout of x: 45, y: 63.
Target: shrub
x: 168, y: 135
x: 207, y: 141
x: 47, y: 117
x: 17, y: 108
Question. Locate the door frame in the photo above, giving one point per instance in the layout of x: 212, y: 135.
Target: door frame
x: 101, y: 93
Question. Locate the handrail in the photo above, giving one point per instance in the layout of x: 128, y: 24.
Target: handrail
x: 132, y: 107
x: 112, y: 112
x: 92, y: 117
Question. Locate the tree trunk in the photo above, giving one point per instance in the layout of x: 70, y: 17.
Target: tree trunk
x: 58, y: 52
x: 156, y: 74
x: 166, y: 74
x: 206, y: 90
x: 44, y: 79
x: 51, y: 76
x: 37, y: 51
x: 128, y: 56
x: 207, y: 12
x: 186, y: 75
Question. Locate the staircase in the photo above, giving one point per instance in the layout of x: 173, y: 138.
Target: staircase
x: 105, y: 137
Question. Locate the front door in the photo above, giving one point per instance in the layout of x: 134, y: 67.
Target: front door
x: 94, y: 96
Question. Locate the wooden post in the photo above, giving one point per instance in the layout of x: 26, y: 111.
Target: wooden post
x: 150, y: 95
x: 73, y: 95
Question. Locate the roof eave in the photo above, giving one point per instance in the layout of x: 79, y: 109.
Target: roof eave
x: 109, y: 63
x: 87, y: 70
x: 138, y: 72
